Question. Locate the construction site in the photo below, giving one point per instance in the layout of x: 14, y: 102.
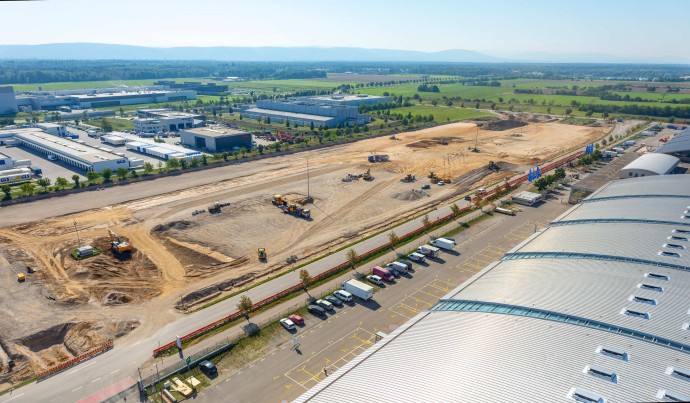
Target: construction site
x: 155, y: 258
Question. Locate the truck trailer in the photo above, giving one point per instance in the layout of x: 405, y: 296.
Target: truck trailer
x: 429, y: 251
x: 443, y: 243
x: 358, y: 289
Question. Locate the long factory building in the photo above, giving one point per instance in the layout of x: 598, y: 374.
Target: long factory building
x: 594, y: 308
x: 79, y: 155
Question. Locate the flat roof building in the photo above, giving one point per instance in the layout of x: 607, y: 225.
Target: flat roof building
x: 305, y: 111
x: 8, y: 101
x: 78, y: 155
x: 650, y: 164
x: 165, y: 120
x: 593, y: 308
x: 102, y: 100
x: 216, y: 138
x: 677, y: 146
x: 348, y: 99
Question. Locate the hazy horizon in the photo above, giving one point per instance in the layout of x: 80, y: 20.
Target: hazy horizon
x: 634, y: 29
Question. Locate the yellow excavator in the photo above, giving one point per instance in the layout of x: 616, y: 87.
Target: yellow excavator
x: 262, y: 254
x: 278, y: 200
x: 367, y: 175
x: 117, y: 245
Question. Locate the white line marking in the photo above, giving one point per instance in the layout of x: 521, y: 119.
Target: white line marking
x: 13, y: 398
x: 79, y: 369
x: 74, y: 390
x: 112, y: 372
x: 95, y: 380
x: 139, y: 342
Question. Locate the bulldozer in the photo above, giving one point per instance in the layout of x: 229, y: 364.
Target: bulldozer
x: 409, y: 178
x: 117, y: 245
x: 367, y: 175
x: 278, y: 200
x: 262, y: 254
x: 446, y: 180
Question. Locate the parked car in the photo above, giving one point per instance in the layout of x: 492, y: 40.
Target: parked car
x: 333, y: 300
x: 287, y: 324
x: 426, y: 186
x: 374, y: 279
x: 324, y: 304
x: 343, y: 295
x: 208, y: 368
x: 441, y: 183
x: 468, y: 198
x: 416, y: 257
x: 316, y: 310
x: 296, y: 319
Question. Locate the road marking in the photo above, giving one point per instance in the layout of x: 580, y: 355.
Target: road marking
x: 112, y: 372
x: 95, y: 380
x: 139, y: 342
x: 14, y: 398
x: 79, y: 369
x: 74, y: 390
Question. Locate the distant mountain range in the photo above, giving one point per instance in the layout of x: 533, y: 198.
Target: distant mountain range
x: 99, y: 51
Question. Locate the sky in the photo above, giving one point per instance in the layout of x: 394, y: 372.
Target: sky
x: 635, y: 28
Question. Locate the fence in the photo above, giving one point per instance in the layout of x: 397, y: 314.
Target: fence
x: 74, y: 361
x: 513, y: 182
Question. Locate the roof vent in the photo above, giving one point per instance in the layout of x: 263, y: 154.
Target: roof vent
x: 642, y: 300
x: 635, y: 314
x: 669, y: 396
x: 613, y: 352
x: 656, y: 276
x: 585, y: 396
x: 669, y: 254
x: 678, y: 373
x: 673, y: 246
x: 651, y: 287
x: 678, y: 238
x: 601, y: 373
x: 682, y: 231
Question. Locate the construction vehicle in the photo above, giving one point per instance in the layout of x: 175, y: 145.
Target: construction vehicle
x: 379, y: 158
x: 367, y: 175
x: 278, y: 200
x: 493, y: 166
x: 433, y: 176
x: 262, y: 254
x: 117, y: 245
x: 446, y: 180
x: 214, y: 208
x: 409, y: 178
x: 296, y: 211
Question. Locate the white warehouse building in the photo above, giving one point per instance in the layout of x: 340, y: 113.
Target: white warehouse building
x: 650, y: 164
x: 78, y: 155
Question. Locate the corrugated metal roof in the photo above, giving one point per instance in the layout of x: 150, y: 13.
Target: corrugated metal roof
x: 480, y: 357
x: 661, y: 164
x: 668, y: 185
x: 638, y: 208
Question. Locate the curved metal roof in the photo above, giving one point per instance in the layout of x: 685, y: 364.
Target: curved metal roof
x: 660, y: 164
x: 677, y: 144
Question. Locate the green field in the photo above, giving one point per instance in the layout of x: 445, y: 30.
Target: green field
x: 443, y: 114
x: 71, y: 85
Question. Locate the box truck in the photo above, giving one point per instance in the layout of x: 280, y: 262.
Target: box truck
x: 443, y: 243
x: 383, y: 273
x: 429, y: 251
x: 400, y: 268
x: 358, y: 289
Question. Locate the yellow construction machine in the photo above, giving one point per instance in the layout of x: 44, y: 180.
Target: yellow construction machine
x: 278, y: 200
x: 117, y: 245
x: 262, y: 254
x: 433, y: 176
x: 367, y: 175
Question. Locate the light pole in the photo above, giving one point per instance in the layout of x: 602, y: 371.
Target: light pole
x: 77, y: 231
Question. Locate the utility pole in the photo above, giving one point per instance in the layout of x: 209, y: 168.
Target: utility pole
x: 308, y: 190
x: 476, y: 139
x: 77, y: 231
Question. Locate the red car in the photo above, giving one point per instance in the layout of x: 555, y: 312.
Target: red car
x: 296, y: 319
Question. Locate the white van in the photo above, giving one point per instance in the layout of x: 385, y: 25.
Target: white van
x: 416, y: 257
x: 51, y: 157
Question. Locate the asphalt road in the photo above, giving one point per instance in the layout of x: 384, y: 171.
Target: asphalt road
x: 284, y: 374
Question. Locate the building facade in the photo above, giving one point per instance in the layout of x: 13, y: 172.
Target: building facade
x: 304, y: 112
x: 216, y: 139
x: 147, y: 125
x: 8, y: 101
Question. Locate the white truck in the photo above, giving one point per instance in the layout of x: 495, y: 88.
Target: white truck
x: 401, y: 268
x: 443, y: 243
x: 429, y: 251
x: 358, y: 289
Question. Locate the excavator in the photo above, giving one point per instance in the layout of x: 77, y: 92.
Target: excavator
x: 367, y: 175
x: 262, y: 254
x: 433, y: 176
x: 278, y: 200
x: 118, y: 246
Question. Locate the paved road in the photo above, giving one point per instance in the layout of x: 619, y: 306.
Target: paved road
x: 283, y: 374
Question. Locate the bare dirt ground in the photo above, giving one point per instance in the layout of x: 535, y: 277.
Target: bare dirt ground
x: 181, y: 258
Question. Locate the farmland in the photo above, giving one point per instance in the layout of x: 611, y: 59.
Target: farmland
x: 443, y: 114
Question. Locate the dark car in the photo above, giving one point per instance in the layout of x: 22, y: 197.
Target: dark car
x: 316, y: 310
x: 208, y: 368
x: 333, y: 300
x: 468, y: 198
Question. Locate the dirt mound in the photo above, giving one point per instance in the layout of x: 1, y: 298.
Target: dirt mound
x: 426, y: 143
x: 203, y: 294
x: 179, y: 225
x: 413, y: 194
x: 504, y: 124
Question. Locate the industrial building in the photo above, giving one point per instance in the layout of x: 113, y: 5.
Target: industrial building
x: 201, y: 89
x: 8, y: 101
x: 677, y: 146
x: 163, y: 150
x: 53, y: 128
x: 165, y: 120
x: 216, y: 138
x: 347, y: 99
x: 80, y: 114
x: 594, y: 308
x: 304, y: 112
x: 650, y: 164
x: 72, y: 153
x: 31, y: 102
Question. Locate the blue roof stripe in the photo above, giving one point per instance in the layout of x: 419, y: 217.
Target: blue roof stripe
x: 650, y: 196
x: 461, y: 305
x: 590, y: 256
x: 617, y: 220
